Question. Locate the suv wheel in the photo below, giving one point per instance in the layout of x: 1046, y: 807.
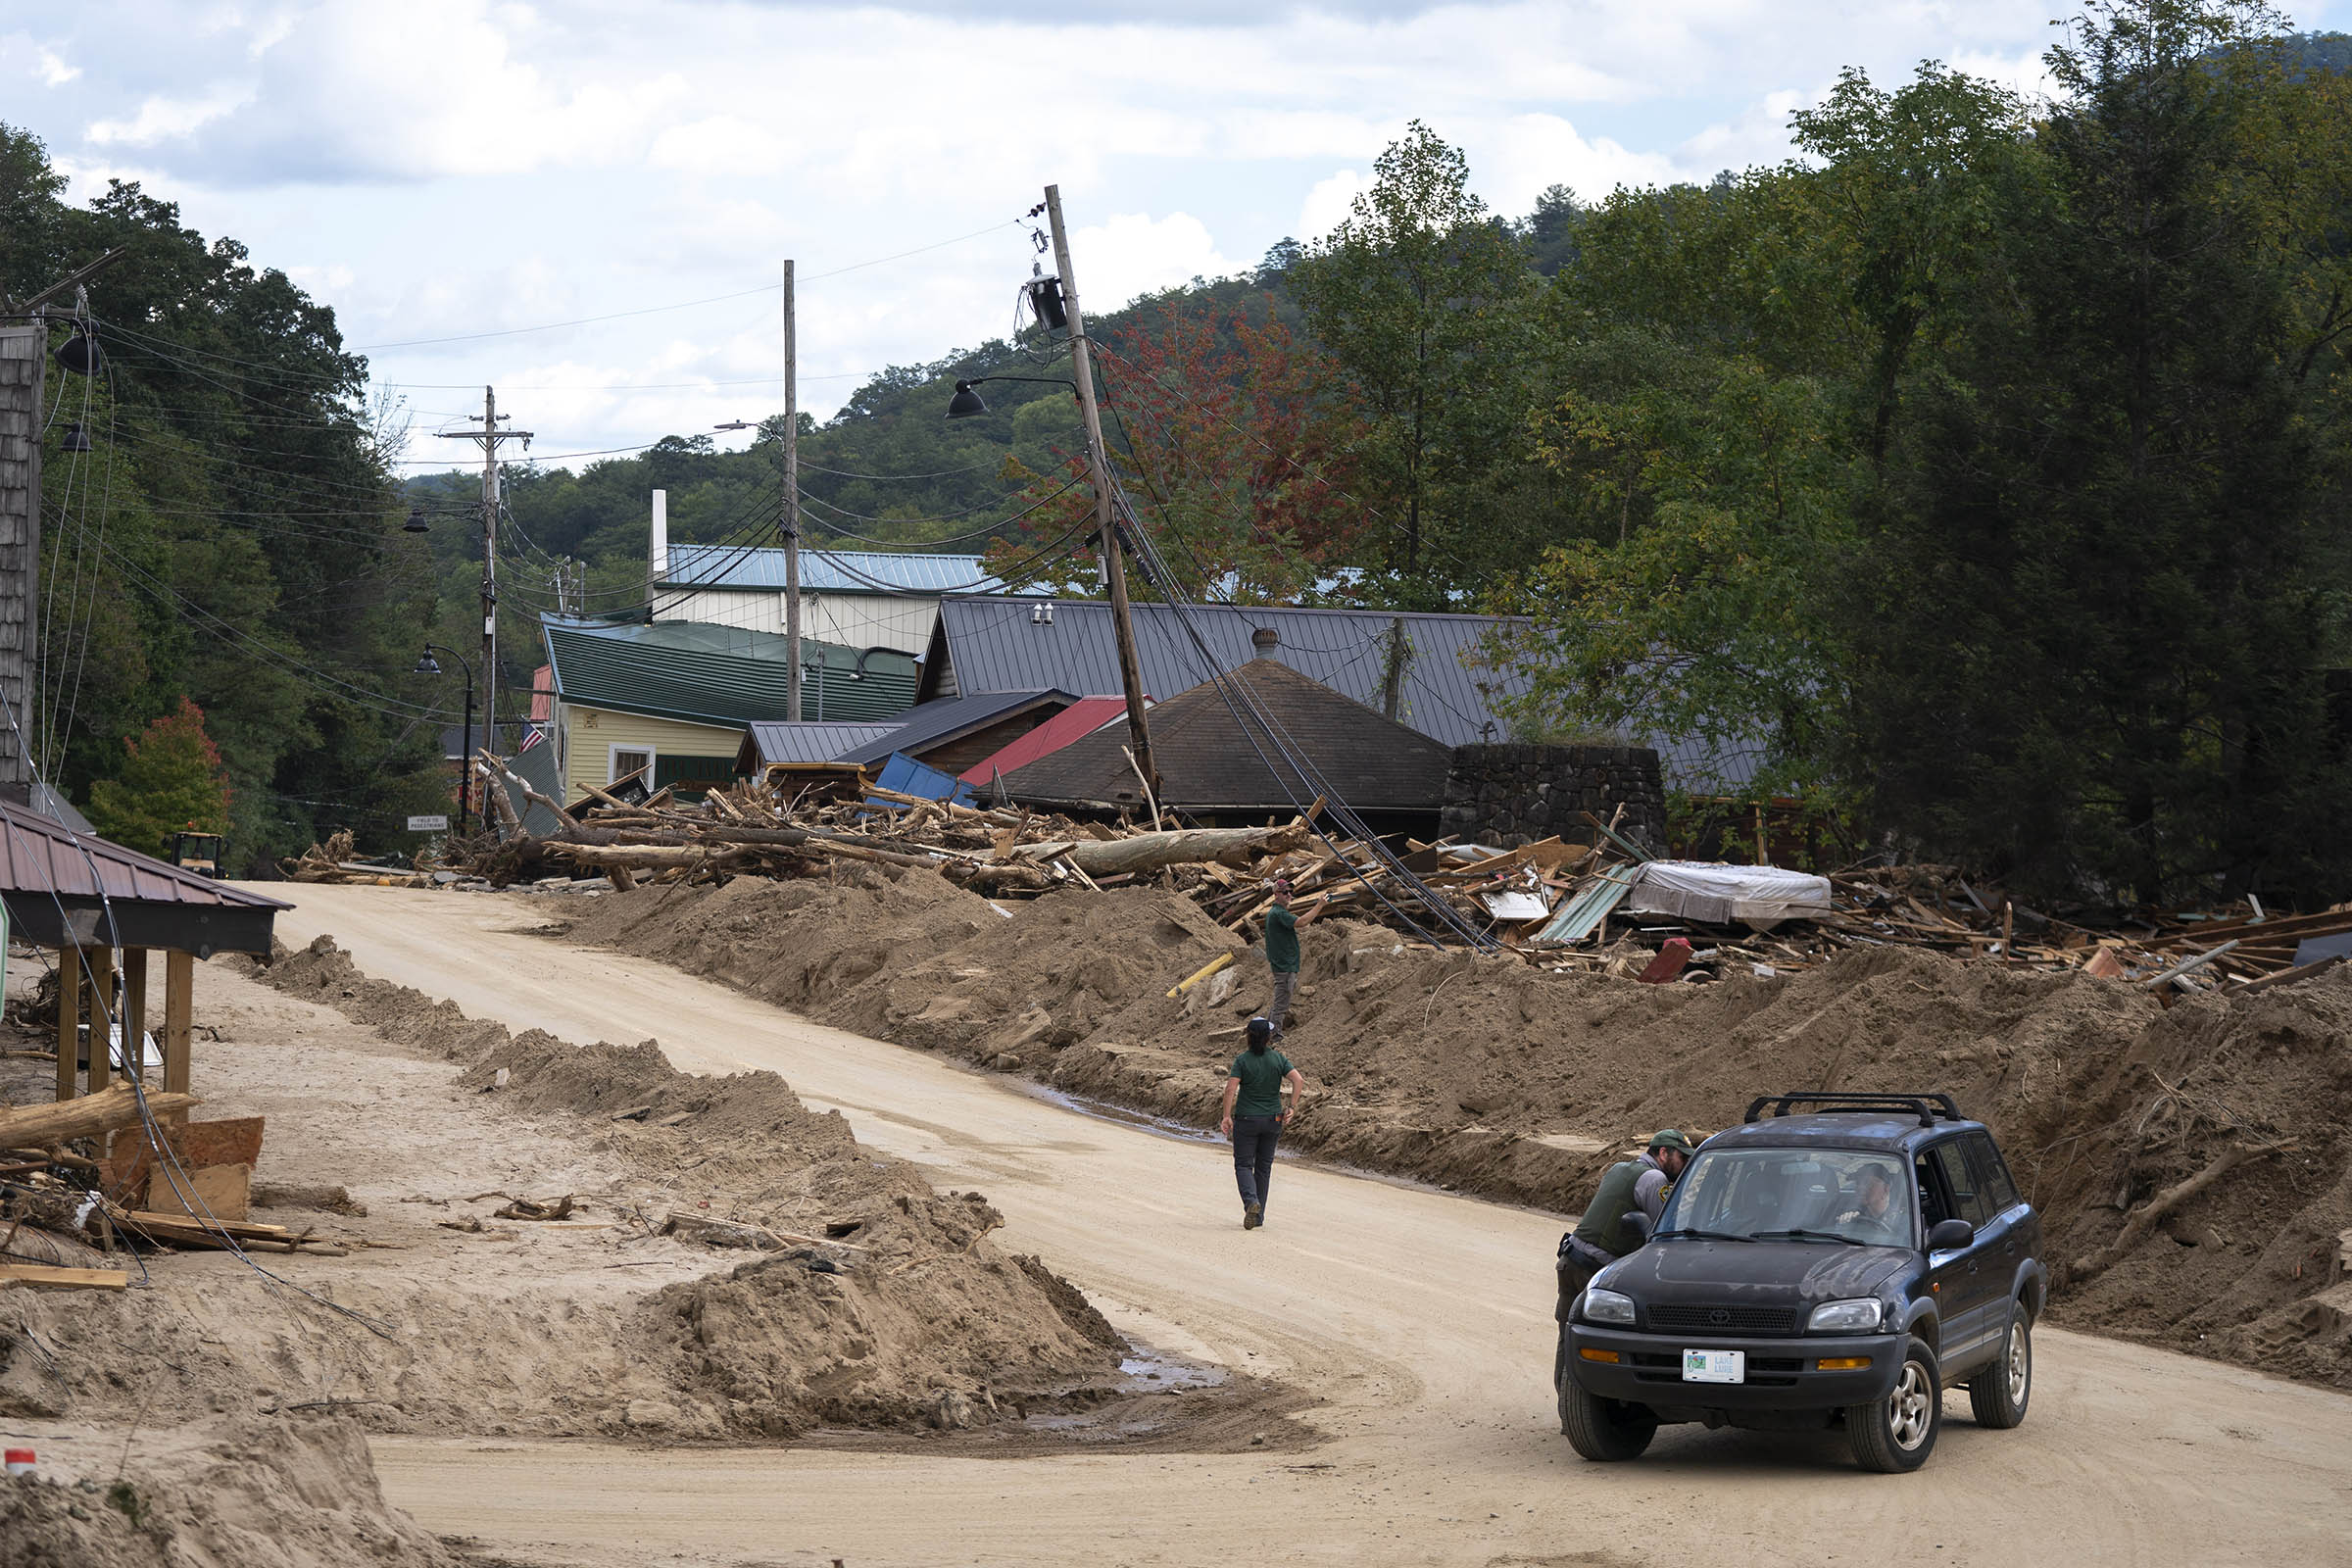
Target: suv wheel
x: 1897, y: 1433
x: 1601, y: 1429
x: 1999, y: 1394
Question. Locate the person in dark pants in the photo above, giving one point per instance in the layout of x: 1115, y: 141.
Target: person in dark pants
x: 1282, y: 949
x: 1254, y: 1115
x: 1601, y: 1235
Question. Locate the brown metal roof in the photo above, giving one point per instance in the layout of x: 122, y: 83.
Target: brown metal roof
x: 40, y: 857
x: 1211, y: 760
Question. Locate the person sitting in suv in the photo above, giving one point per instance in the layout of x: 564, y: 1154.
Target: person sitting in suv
x: 1874, y: 1219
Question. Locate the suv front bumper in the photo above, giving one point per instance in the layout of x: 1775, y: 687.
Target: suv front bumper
x: 1783, y: 1374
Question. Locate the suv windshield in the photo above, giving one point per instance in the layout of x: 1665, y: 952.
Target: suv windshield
x: 1827, y: 1195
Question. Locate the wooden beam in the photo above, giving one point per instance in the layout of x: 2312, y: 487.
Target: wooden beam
x: 179, y: 1007
x: 102, y: 1015
x: 134, y: 1012
x: 40, y: 1276
x: 84, y: 1117
x: 69, y: 1020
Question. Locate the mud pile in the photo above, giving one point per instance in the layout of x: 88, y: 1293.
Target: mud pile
x: 869, y: 1300
x: 296, y: 1493
x: 1494, y: 1077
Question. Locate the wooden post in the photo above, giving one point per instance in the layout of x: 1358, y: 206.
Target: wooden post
x: 102, y: 1015
x: 135, y: 1013
x: 68, y: 1017
x: 179, y: 985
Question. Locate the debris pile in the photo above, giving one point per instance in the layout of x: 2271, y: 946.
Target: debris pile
x: 1591, y: 906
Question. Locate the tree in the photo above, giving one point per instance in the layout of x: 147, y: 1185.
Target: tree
x: 2092, y: 613
x: 1420, y: 297
x: 173, y: 781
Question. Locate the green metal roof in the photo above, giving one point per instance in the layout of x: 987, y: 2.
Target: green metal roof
x: 705, y: 674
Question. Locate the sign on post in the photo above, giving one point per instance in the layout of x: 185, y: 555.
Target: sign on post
x: 428, y: 825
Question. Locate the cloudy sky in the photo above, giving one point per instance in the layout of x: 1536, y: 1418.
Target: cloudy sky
x: 455, y: 175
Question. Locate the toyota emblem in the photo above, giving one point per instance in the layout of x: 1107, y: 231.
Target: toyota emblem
x: 1719, y: 1317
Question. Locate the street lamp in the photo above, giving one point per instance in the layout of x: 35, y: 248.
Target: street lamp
x: 427, y: 664
x: 966, y: 404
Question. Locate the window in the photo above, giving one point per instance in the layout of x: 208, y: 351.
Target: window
x: 1992, y: 1176
x: 1779, y: 1194
x: 1968, y: 1203
x: 627, y: 759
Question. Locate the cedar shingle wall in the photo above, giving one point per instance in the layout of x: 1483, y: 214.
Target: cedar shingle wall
x: 24, y: 359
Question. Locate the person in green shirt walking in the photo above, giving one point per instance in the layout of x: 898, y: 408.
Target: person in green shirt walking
x: 1282, y: 949
x: 1254, y: 1115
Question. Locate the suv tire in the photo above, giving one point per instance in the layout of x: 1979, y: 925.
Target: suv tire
x: 2001, y: 1393
x: 1603, y: 1430
x: 1897, y: 1433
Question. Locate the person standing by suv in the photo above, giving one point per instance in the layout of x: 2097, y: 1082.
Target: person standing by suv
x: 1254, y: 1117
x: 1600, y: 1237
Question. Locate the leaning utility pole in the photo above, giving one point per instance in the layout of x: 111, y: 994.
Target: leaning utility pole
x: 791, y: 520
x: 1130, y: 675
x: 489, y: 435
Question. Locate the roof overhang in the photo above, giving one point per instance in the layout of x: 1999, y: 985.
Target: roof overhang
x: 78, y: 920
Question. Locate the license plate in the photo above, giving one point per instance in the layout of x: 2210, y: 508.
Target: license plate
x: 1714, y: 1366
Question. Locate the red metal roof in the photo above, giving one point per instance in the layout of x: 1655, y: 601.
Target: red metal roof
x: 1080, y: 719
x: 40, y: 857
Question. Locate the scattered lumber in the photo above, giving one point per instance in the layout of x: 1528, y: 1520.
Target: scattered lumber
x: 88, y: 1115
x: 40, y: 1277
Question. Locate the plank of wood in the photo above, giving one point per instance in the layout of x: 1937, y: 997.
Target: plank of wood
x: 220, y: 1192
x: 40, y: 1277
x: 33, y: 1126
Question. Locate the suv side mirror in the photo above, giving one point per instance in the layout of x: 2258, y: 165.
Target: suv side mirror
x: 1638, y: 1223
x: 1950, y: 1234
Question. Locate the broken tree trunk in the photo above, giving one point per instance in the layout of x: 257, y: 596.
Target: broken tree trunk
x: 83, y: 1118
x: 2144, y: 1218
x: 1149, y: 852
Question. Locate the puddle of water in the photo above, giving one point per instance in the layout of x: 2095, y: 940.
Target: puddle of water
x: 1146, y: 1370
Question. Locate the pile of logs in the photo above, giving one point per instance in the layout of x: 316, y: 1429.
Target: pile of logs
x: 756, y: 829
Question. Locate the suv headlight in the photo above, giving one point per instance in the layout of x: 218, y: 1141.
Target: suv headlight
x: 1607, y: 1306
x: 1859, y: 1317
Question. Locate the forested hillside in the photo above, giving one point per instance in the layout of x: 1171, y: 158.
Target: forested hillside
x: 1985, y: 466
x: 230, y: 535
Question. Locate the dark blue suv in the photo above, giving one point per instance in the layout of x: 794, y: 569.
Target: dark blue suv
x: 1836, y: 1259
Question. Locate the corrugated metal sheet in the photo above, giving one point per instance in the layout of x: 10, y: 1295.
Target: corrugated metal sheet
x: 779, y: 741
x: 1075, y: 723
x: 37, y: 857
x: 721, y: 674
x: 907, y: 776
x: 932, y: 723
x: 994, y: 644
x: 832, y: 571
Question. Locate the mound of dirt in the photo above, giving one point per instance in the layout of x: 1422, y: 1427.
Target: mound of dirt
x: 1493, y: 1076
x: 259, y: 1493
x: 792, y: 942
x: 873, y: 1301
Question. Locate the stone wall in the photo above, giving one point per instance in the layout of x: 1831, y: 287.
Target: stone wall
x: 1514, y: 795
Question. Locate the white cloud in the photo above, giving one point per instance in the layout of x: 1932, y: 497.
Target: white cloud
x: 1527, y: 154
x: 1136, y: 254
x: 438, y: 168
x: 161, y: 120
x: 1328, y: 204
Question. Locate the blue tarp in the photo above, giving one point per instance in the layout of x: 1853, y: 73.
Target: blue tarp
x: 908, y: 777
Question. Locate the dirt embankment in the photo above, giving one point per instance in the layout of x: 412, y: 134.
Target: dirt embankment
x: 1497, y: 1078
x: 881, y: 1304
x: 298, y: 1492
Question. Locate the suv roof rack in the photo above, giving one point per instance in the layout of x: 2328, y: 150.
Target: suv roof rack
x: 1822, y: 1102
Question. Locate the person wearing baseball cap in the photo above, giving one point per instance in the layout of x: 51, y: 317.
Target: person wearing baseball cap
x: 1601, y: 1235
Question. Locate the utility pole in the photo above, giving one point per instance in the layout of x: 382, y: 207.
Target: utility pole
x: 489, y: 435
x: 1130, y: 675
x: 791, y: 520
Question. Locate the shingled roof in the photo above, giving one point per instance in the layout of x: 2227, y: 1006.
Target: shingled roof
x: 1208, y: 758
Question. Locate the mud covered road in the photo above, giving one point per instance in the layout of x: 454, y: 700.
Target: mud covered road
x: 1420, y: 1319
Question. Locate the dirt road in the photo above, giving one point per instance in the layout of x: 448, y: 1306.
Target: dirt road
x: 1423, y: 1321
